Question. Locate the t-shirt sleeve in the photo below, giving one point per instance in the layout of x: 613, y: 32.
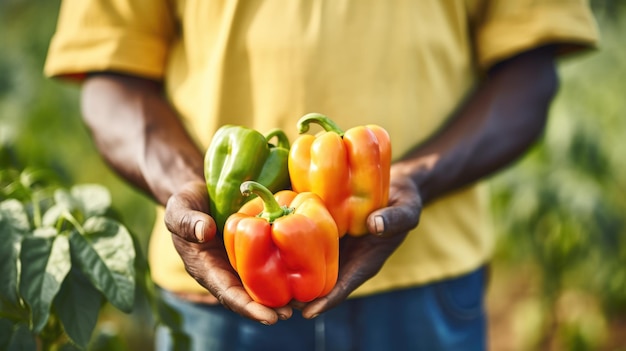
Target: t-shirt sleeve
x: 508, y: 27
x: 122, y: 36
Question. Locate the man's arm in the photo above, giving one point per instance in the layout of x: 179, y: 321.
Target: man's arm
x: 496, y: 125
x: 494, y: 128
x: 141, y: 137
x: 139, y: 134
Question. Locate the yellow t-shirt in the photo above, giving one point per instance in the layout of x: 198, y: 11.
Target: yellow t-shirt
x: 405, y: 65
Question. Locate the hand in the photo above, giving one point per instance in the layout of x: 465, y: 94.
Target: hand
x: 360, y: 258
x: 204, y: 255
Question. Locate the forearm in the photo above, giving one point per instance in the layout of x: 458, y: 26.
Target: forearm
x: 496, y: 126
x: 139, y: 134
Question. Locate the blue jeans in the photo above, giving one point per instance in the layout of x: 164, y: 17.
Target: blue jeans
x: 446, y: 315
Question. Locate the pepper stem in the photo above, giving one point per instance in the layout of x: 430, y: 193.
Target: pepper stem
x: 325, y: 122
x: 272, y: 210
x: 281, y: 138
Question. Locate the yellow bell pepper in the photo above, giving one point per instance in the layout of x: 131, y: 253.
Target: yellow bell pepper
x: 349, y: 170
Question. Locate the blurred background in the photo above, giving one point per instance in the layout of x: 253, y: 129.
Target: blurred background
x: 559, y: 275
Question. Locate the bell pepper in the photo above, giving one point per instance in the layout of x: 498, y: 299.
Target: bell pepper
x: 349, y: 170
x: 237, y: 154
x: 285, y: 247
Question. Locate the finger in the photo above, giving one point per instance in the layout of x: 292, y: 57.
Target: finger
x: 346, y: 284
x: 284, y: 312
x: 193, y: 226
x: 208, y: 265
x: 298, y: 305
x: 393, y: 220
x: 315, y: 308
x: 237, y: 300
x: 360, y: 259
x: 184, y: 216
x: 325, y: 303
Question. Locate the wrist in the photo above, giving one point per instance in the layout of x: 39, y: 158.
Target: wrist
x: 164, y: 186
x: 421, y: 171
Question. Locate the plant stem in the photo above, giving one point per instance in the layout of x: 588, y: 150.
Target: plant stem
x: 67, y: 216
x: 281, y: 137
x: 326, y: 123
x: 36, y: 210
x: 272, y: 210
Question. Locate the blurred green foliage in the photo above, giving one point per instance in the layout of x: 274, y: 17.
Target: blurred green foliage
x: 64, y: 254
x: 41, y: 128
x: 561, y: 209
x: 40, y: 124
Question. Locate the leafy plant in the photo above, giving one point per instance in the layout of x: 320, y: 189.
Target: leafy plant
x: 562, y: 208
x: 64, y: 255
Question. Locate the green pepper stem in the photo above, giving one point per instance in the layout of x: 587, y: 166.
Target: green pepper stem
x: 281, y: 137
x: 325, y: 122
x: 272, y: 210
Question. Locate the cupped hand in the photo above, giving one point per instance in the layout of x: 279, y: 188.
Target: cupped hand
x: 203, y: 253
x: 360, y: 258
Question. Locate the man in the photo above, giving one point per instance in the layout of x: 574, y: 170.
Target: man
x: 462, y: 87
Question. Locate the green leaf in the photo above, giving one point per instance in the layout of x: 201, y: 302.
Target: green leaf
x: 15, y: 212
x: 52, y: 215
x: 93, y: 199
x: 68, y: 346
x: 106, y: 256
x: 32, y: 178
x: 45, y: 264
x: 45, y: 232
x: 13, y: 226
x: 20, y: 339
x: 6, y: 329
x: 82, y: 202
x: 65, y: 205
x: 12, y: 187
x: 65, y: 200
x: 78, y: 305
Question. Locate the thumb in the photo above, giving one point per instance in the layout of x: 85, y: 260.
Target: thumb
x: 392, y: 220
x: 185, y: 218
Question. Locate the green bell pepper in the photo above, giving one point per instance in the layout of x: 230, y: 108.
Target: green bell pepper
x: 237, y: 154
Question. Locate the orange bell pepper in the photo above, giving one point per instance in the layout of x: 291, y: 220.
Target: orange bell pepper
x: 284, y: 246
x: 349, y: 170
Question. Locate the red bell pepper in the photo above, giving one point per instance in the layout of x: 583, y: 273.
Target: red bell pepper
x: 284, y: 246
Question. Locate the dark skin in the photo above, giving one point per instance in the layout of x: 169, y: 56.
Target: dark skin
x: 141, y: 137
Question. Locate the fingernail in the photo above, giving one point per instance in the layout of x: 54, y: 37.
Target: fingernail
x: 379, y: 224
x: 314, y: 316
x: 265, y: 322
x: 282, y: 317
x: 199, y: 231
